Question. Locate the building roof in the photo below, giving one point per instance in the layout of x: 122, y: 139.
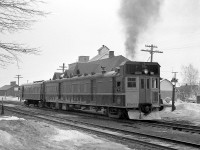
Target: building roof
x: 103, y: 52
x: 166, y: 80
x: 96, y: 66
x: 5, y: 87
x: 56, y: 75
x: 110, y: 63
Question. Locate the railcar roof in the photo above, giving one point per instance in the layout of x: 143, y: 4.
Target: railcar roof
x: 96, y: 75
x: 29, y: 84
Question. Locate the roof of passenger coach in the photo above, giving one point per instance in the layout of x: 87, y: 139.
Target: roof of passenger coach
x: 33, y: 84
x: 89, y: 76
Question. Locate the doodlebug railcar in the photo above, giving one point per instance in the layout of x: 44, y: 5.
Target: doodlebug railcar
x: 133, y: 86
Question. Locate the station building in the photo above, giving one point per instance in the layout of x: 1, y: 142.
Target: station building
x: 9, y: 90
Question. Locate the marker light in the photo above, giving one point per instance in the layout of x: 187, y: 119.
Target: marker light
x: 146, y: 71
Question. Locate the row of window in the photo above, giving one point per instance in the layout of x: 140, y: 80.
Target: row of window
x: 32, y: 89
x: 52, y: 89
x: 76, y: 88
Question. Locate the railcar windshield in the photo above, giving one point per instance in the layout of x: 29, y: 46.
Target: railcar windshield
x: 143, y: 68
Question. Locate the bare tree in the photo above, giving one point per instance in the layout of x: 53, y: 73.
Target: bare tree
x: 190, y: 74
x: 17, y: 15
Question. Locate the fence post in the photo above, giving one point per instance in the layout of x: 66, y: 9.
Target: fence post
x: 2, y: 107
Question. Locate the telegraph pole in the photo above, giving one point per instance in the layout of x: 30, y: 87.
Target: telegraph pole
x: 18, y: 77
x: 62, y: 67
x: 174, y: 81
x: 151, y: 51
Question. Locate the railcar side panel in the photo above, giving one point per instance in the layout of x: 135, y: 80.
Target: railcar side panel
x: 132, y: 91
x: 52, y: 91
x: 32, y: 91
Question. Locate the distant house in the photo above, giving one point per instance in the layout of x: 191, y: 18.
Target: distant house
x: 9, y: 90
x: 166, y: 89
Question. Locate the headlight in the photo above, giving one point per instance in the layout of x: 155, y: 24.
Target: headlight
x: 146, y: 71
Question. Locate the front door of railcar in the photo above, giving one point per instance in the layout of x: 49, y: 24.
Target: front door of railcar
x: 144, y: 90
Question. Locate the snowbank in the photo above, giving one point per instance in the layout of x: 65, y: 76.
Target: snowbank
x: 10, y: 118
x: 184, y: 111
x: 18, y: 133
x: 9, y: 98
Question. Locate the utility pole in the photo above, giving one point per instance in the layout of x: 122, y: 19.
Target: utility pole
x: 18, y: 77
x: 151, y: 51
x: 174, y: 81
x: 62, y: 67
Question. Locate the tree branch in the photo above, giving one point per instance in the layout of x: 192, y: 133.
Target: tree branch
x: 17, y: 15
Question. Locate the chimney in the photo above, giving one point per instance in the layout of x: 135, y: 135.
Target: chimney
x: 13, y: 83
x: 111, y: 54
x: 83, y: 59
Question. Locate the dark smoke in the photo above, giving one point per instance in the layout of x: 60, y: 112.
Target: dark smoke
x: 137, y: 16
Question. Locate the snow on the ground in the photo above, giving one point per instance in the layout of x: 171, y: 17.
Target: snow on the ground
x: 184, y: 111
x: 10, y: 118
x: 77, y: 139
x: 73, y: 139
x: 8, y: 98
x: 18, y: 133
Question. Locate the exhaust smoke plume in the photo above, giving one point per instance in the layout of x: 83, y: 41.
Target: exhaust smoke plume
x: 136, y: 16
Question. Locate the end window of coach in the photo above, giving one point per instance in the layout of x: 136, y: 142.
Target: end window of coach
x: 131, y: 82
x: 154, y: 82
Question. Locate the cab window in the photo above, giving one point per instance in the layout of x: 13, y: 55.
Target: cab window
x: 131, y: 82
x: 142, y: 84
x: 154, y: 83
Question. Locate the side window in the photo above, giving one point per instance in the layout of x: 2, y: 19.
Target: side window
x: 131, y: 82
x: 118, y: 86
x: 154, y: 83
x: 118, y: 83
x: 142, y: 83
x: 148, y: 83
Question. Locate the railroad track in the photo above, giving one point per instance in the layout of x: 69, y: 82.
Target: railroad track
x: 153, y: 123
x: 175, y: 126
x: 152, y: 141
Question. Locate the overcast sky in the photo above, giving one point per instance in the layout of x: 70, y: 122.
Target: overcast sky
x: 77, y: 27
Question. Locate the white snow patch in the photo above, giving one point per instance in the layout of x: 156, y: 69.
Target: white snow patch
x: 9, y: 98
x: 153, y: 115
x: 184, y: 111
x: 5, y: 137
x: 10, y: 118
x: 7, y: 140
x: 10, y: 105
x: 74, y: 136
x: 79, y: 140
x: 137, y: 115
